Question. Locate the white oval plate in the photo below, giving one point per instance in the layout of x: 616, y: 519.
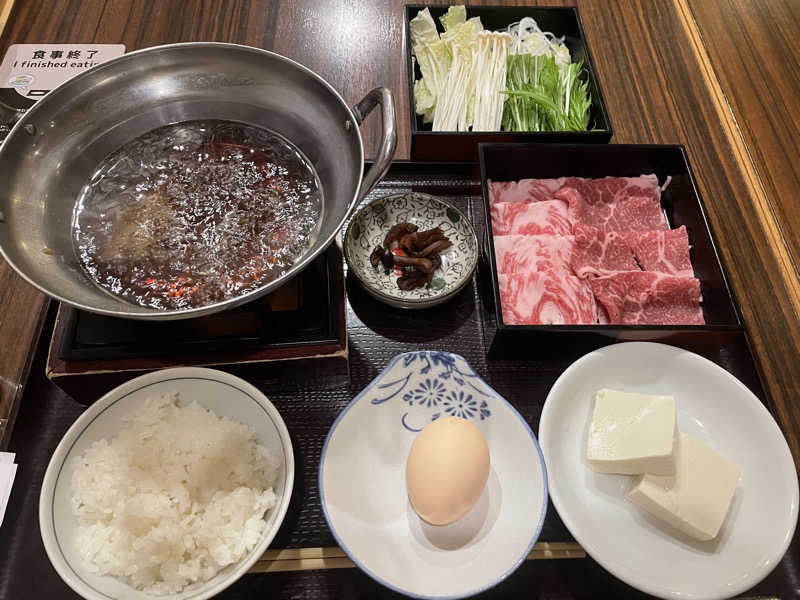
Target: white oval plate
x: 712, y: 406
x: 223, y: 394
x: 363, y: 491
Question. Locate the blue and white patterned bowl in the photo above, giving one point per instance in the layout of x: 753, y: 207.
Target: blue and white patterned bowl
x: 363, y: 491
x: 370, y: 225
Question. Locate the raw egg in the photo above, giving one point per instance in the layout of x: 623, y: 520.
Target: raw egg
x: 447, y: 469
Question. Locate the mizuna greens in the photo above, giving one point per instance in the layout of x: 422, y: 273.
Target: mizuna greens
x: 545, y: 97
x: 520, y: 79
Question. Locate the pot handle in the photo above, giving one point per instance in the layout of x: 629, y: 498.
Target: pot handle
x: 382, y: 96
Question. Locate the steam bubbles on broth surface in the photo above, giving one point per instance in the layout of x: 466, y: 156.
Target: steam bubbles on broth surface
x: 196, y: 213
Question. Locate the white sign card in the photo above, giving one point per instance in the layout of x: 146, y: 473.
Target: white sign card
x: 35, y: 69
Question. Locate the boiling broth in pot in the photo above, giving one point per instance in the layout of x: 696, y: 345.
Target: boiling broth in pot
x: 195, y: 213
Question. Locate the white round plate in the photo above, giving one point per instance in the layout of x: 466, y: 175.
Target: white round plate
x: 223, y: 394
x: 714, y: 407
x: 363, y: 491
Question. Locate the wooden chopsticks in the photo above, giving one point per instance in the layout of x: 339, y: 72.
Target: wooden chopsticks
x: 308, y: 559
x: 301, y: 559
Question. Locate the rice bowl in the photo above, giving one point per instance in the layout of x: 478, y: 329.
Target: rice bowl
x: 226, y: 396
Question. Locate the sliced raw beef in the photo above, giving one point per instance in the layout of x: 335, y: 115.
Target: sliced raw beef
x: 663, y: 251
x: 610, y: 190
x: 531, y: 218
x: 546, y: 298
x: 597, y: 253
x: 603, y: 190
x: 647, y: 298
x: 636, y: 213
x: 532, y: 253
x: 524, y: 190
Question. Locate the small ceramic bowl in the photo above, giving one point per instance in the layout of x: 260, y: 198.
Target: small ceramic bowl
x: 369, y: 226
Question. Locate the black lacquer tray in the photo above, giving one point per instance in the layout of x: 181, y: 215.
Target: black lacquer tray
x: 463, y: 145
x: 682, y: 206
x: 376, y: 334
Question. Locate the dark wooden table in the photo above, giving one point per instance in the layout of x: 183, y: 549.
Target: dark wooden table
x: 720, y: 77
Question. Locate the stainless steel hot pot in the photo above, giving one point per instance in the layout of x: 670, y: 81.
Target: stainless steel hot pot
x: 54, y: 148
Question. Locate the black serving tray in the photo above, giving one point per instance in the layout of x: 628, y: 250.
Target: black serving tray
x: 377, y: 333
x: 682, y: 205
x: 427, y: 145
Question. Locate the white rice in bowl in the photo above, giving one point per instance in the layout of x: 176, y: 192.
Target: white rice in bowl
x: 173, y: 499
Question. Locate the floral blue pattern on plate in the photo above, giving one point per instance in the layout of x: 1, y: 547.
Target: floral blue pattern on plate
x: 363, y: 492
x: 434, y: 384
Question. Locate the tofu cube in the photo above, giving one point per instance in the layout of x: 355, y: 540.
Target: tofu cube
x: 632, y: 433
x: 696, y: 499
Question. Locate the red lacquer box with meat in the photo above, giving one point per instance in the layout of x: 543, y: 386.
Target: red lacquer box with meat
x: 584, y: 243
